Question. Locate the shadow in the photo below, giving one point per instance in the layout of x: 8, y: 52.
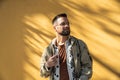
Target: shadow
x: 118, y: 1
x: 117, y: 73
x: 30, y: 76
x: 91, y: 14
x: 40, y: 34
x: 33, y: 50
x: 1, y: 1
x: 83, y: 18
x: 85, y: 10
x: 31, y: 64
x: 1, y: 78
x: 106, y: 29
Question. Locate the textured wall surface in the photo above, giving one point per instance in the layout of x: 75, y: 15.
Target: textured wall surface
x: 25, y: 30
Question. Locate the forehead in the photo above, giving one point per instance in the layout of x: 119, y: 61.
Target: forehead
x: 62, y: 19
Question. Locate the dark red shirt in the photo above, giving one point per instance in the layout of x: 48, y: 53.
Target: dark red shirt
x: 63, y: 66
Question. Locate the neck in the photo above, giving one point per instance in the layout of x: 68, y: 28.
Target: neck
x: 61, y: 39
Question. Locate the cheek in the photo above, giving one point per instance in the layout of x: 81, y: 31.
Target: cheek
x: 58, y: 29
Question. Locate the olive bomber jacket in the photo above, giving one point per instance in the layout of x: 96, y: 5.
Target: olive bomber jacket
x: 79, y: 61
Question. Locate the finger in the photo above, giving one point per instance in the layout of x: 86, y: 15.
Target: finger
x: 55, y: 62
x: 55, y: 56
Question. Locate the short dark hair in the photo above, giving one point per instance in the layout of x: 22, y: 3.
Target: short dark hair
x: 58, y: 16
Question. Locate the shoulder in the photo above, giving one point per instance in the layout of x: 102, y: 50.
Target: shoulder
x: 79, y: 41
x: 51, y: 44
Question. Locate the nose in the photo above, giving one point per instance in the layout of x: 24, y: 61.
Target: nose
x: 67, y: 25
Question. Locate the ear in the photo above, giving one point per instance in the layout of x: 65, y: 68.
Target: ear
x: 56, y: 28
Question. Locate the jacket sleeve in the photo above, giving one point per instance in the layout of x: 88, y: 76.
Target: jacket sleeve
x: 86, y: 62
x: 44, y: 71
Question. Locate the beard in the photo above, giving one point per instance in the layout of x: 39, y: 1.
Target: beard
x: 65, y: 33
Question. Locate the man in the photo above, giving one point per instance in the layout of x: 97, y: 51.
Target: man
x: 66, y: 57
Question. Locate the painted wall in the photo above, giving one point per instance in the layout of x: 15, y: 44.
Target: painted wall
x: 25, y: 30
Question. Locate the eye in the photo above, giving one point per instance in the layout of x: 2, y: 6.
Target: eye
x: 63, y: 23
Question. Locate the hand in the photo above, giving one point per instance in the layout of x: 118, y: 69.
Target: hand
x: 52, y: 61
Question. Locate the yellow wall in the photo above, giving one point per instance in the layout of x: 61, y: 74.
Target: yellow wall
x: 25, y: 30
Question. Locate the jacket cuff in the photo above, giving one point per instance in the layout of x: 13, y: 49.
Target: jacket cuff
x: 45, y: 72
x: 47, y: 68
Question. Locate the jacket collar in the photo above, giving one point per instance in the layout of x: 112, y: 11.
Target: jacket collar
x: 71, y: 40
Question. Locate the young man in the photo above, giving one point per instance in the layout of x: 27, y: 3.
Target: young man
x: 66, y: 57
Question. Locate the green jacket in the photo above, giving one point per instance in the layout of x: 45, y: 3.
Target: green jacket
x: 81, y: 60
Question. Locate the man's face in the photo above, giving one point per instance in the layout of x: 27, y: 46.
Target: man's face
x: 62, y: 26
